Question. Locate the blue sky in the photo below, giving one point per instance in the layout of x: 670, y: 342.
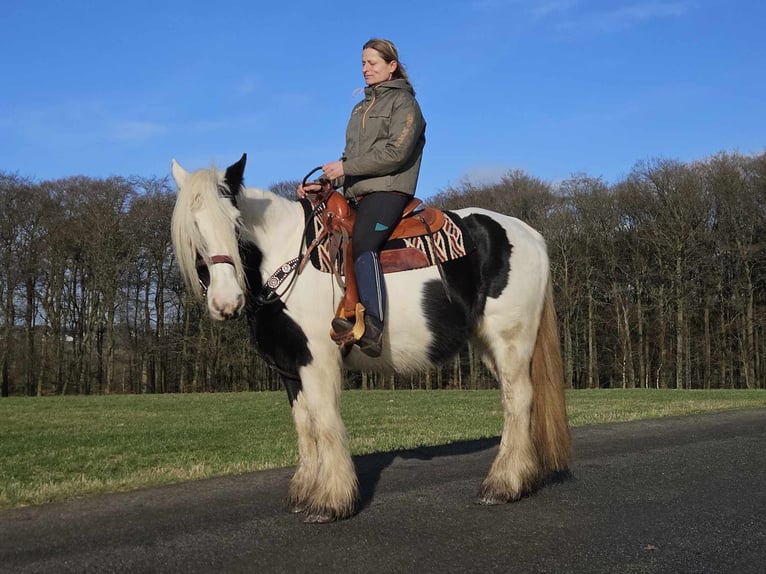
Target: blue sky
x: 552, y: 87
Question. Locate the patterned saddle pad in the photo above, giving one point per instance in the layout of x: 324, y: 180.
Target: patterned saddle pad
x: 400, y: 254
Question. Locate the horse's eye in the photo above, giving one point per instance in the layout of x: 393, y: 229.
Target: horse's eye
x: 204, y: 275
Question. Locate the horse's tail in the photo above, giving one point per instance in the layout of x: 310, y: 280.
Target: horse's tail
x: 549, y: 426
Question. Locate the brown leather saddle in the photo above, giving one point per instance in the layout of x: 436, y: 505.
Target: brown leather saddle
x: 337, y: 218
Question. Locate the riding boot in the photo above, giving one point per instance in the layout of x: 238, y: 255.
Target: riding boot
x: 372, y: 294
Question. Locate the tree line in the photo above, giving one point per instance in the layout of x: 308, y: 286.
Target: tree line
x: 659, y: 281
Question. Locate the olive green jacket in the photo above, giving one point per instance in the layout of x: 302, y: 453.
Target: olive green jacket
x: 384, y: 141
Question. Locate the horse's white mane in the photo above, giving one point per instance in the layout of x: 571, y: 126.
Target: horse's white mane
x: 199, y: 195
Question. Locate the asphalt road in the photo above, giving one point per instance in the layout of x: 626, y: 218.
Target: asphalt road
x: 683, y: 494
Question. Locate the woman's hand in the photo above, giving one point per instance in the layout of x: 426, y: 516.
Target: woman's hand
x: 308, y: 188
x: 333, y: 170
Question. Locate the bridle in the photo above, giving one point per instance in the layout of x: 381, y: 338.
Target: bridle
x: 270, y: 292
x: 203, y: 273
x: 273, y: 289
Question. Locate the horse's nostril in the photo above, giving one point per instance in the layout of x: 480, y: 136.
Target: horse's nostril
x: 228, y: 310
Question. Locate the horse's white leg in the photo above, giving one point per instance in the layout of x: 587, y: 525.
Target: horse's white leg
x: 515, y: 471
x: 325, y: 485
x: 304, y: 479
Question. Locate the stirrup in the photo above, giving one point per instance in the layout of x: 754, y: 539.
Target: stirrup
x: 344, y: 332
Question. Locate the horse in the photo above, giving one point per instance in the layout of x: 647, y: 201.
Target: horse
x: 234, y: 243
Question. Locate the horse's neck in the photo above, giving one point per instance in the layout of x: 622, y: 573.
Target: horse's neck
x: 274, y: 223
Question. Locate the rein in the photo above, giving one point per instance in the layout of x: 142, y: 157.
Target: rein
x: 268, y: 293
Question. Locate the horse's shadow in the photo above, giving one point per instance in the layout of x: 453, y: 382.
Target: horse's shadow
x: 370, y: 467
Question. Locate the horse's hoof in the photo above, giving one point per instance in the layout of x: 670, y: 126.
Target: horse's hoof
x: 496, y: 500
x: 491, y: 497
x: 319, y: 518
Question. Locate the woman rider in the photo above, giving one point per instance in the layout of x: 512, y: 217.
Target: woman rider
x: 379, y: 169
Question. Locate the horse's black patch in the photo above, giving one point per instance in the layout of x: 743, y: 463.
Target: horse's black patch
x: 293, y: 387
x: 447, y: 321
x: 494, y: 250
x: 234, y: 179
x: 482, y: 273
x: 275, y: 335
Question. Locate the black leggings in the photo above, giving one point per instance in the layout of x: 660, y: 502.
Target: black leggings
x: 376, y: 216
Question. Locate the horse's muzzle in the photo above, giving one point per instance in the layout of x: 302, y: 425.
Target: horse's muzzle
x: 224, y: 311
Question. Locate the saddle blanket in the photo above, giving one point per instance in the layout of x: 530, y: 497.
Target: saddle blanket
x: 448, y: 243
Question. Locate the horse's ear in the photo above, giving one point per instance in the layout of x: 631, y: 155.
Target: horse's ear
x: 179, y: 173
x: 235, y: 175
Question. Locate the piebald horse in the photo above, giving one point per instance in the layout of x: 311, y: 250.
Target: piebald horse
x: 232, y: 241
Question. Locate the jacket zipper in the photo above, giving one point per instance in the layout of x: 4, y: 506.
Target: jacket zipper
x: 364, y: 116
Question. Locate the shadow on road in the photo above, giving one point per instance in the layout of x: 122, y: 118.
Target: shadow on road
x: 369, y: 467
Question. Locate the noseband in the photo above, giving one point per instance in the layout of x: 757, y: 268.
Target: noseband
x: 203, y: 264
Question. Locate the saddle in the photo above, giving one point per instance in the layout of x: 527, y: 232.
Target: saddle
x: 424, y: 236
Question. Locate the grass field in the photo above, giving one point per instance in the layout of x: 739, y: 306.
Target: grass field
x: 63, y: 447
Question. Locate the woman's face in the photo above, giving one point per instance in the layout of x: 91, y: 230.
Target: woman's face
x: 374, y: 68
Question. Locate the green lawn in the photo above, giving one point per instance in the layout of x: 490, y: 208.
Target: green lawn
x: 62, y: 447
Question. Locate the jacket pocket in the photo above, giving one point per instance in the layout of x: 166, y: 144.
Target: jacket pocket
x: 377, y: 125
